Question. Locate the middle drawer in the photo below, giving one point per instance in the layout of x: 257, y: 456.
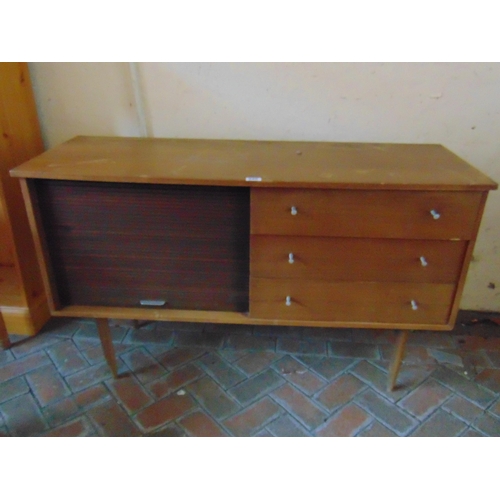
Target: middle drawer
x: 356, y: 259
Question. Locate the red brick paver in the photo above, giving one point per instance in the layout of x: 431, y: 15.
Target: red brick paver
x: 253, y: 418
x: 175, y: 380
x: 211, y: 396
x: 23, y: 417
x: 89, y: 377
x: 462, y: 408
x: 143, y: 365
x: 23, y: 366
x: 376, y: 429
x: 286, y: 426
x: 425, y: 398
x: 91, y: 396
x: 256, y: 362
x: 47, y: 385
x: 197, y: 424
x: 76, y: 428
x: 489, y: 424
x: 340, y: 391
x: 440, y: 424
x: 130, y: 393
x: 256, y: 387
x: 490, y: 378
x: 300, y: 406
x: 67, y: 357
x: 216, y: 380
x: 164, y: 411
x: 61, y: 411
x: 111, y: 420
x: 389, y: 414
x: 346, y: 422
x: 176, y: 357
x: 13, y: 388
x: 496, y: 409
x: 299, y: 375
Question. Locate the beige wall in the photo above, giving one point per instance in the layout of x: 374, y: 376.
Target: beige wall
x: 455, y: 104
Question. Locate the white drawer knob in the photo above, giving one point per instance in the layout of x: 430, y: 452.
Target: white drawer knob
x: 435, y: 214
x: 414, y: 305
x: 288, y: 300
x: 423, y: 261
x: 290, y: 258
x: 293, y: 210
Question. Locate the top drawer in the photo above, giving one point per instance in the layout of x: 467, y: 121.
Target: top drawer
x: 376, y: 214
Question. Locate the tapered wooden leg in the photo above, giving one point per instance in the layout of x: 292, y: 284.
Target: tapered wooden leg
x: 397, y: 359
x: 4, y: 336
x: 107, y: 345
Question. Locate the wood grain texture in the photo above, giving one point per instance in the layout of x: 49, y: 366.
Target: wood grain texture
x: 397, y: 359
x: 275, y: 163
x: 4, y: 335
x: 30, y: 195
x: 365, y: 214
x: 135, y: 313
x: 467, y: 259
x: 343, y: 301
x: 363, y: 196
x: 107, y: 344
x: 20, y: 140
x: 117, y: 244
x: 356, y: 259
x: 26, y: 321
x: 11, y: 293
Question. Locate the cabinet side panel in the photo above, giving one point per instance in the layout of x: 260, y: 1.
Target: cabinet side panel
x: 117, y: 244
x: 29, y: 190
x: 467, y: 259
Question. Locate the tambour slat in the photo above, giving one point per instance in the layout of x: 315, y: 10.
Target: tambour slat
x: 117, y: 244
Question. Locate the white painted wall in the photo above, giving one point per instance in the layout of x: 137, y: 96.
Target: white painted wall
x: 455, y: 104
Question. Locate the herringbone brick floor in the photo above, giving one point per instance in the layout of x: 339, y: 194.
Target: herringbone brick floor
x: 226, y: 380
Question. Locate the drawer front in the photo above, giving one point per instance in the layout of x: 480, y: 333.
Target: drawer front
x: 372, y: 214
x: 395, y: 303
x: 356, y: 259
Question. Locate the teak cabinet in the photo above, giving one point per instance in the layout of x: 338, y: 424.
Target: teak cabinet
x: 23, y: 303
x: 259, y: 232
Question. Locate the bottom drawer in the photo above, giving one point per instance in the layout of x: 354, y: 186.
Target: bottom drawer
x: 366, y: 302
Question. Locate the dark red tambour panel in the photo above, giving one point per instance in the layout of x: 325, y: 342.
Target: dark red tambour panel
x: 115, y: 244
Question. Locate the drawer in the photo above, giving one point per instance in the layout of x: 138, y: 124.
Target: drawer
x: 356, y: 259
x: 372, y: 214
x: 351, y: 302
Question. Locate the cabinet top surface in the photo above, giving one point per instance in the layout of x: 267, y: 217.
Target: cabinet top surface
x: 257, y: 163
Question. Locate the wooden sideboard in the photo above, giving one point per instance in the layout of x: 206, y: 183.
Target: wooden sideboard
x: 257, y: 232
